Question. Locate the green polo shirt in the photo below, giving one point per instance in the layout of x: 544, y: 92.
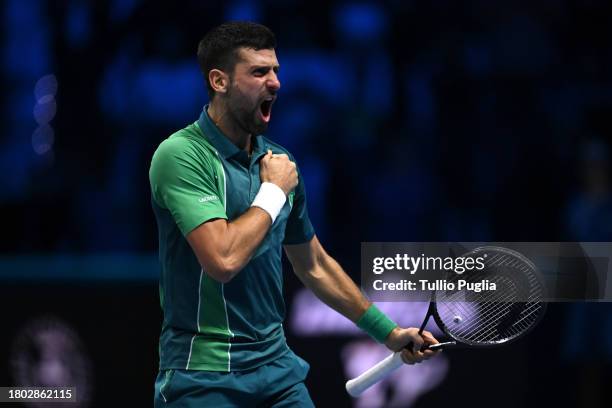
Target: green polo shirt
x: 197, y: 175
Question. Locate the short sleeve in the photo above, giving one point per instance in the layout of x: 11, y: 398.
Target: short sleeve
x: 185, y: 182
x: 299, y: 229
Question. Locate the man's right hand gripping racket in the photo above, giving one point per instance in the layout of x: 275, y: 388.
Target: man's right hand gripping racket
x: 478, y: 319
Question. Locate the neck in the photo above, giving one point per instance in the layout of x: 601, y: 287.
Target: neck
x: 219, y: 114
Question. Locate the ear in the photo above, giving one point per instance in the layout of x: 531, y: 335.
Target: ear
x: 219, y: 80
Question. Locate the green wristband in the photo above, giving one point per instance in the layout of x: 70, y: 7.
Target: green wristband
x: 376, y: 323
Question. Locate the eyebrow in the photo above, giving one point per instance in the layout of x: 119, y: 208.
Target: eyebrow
x: 276, y: 68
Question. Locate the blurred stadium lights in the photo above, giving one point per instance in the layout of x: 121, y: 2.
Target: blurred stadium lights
x: 44, y: 111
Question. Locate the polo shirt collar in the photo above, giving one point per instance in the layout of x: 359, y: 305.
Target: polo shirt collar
x: 223, y: 145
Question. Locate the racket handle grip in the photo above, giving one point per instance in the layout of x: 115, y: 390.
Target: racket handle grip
x: 358, y: 385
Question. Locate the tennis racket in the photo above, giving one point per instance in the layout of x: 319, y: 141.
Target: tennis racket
x: 477, y: 319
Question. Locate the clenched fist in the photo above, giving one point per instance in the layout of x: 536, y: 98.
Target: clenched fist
x: 400, y: 338
x: 278, y: 169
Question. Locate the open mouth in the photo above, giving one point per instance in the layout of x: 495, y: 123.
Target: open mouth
x: 266, y: 109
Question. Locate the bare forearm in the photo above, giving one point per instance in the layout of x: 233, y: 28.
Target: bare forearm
x: 224, y: 248
x: 332, y: 285
x: 243, y: 236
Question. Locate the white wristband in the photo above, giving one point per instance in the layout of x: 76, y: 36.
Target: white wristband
x: 270, y: 198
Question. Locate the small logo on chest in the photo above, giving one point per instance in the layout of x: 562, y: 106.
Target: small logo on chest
x: 206, y: 199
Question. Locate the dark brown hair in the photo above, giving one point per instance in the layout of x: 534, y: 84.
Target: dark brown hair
x: 219, y: 47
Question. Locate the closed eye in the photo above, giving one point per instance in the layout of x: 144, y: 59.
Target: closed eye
x: 261, y: 71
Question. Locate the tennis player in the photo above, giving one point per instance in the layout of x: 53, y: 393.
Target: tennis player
x: 226, y: 200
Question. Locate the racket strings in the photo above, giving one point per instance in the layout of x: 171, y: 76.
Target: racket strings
x: 484, y: 326
x: 483, y: 320
x: 490, y: 317
x: 529, y: 312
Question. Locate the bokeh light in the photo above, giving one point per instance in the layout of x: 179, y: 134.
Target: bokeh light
x: 45, y: 88
x: 42, y: 139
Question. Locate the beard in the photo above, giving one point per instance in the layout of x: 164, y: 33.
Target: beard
x: 244, y: 112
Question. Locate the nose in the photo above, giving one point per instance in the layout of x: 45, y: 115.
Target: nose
x: 273, y: 83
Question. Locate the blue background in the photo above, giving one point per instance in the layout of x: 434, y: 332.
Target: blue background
x: 411, y: 121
